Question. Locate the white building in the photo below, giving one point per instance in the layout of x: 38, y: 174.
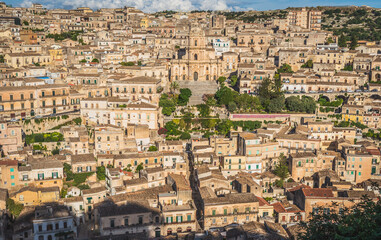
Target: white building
x: 221, y: 46
x: 53, y: 222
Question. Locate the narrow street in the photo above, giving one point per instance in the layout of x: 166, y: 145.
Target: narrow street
x: 195, y: 191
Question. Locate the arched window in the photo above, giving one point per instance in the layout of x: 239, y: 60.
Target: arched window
x: 195, y: 57
x: 195, y: 42
x: 195, y: 76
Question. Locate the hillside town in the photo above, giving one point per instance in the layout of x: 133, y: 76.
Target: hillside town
x: 119, y: 124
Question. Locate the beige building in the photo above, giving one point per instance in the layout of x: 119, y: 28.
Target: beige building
x: 310, y: 19
x: 10, y: 137
x: 230, y: 208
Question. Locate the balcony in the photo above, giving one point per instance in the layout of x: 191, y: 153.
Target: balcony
x: 177, y: 223
x: 233, y: 214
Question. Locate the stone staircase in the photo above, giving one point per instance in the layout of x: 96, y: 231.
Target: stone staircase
x: 199, y: 89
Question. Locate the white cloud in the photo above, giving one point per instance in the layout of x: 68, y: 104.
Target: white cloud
x: 144, y: 5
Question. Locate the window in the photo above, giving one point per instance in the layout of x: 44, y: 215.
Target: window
x: 213, y: 212
x: 112, y: 223
x: 140, y: 219
x: 126, y: 222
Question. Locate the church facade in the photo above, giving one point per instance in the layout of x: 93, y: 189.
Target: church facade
x: 197, y: 62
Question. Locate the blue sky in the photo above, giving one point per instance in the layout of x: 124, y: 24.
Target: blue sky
x: 159, y: 5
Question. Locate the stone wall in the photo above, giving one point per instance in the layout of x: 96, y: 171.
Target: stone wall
x: 44, y: 124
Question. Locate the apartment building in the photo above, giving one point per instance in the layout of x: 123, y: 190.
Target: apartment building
x: 119, y: 112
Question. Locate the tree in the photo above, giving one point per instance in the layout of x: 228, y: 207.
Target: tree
x: 309, y: 104
x: 276, y: 105
x: 354, y: 42
x: 55, y: 151
x: 127, y: 64
x: 269, y: 90
x: 167, y: 104
x: 63, y: 193
x: 185, y: 136
x: 26, y: 23
x: 174, y: 86
x: 360, y: 222
x: 95, y: 60
x: 13, y: 207
x: 83, y: 61
x: 224, y: 126
x: 204, y: 110
x: 101, y: 173
x: 139, y: 167
x: 233, y: 80
x: 152, y: 149
x: 294, y: 104
x: 225, y: 95
x: 232, y: 106
x: 285, y: 68
x: 221, y: 79
x: 305, y: 104
x: 185, y: 94
x: 281, y: 169
x: 330, y: 40
x: 348, y: 67
x: 308, y: 64
x: 342, y: 42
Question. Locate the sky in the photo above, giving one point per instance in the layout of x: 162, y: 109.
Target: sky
x: 187, y: 5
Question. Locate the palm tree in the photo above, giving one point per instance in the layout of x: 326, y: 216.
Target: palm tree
x: 174, y: 86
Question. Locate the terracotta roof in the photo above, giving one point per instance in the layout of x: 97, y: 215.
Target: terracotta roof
x: 262, y: 202
x: 317, y: 192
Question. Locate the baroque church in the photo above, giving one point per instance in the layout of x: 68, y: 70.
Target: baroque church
x: 198, y: 61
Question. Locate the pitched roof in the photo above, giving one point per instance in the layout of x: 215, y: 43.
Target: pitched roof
x: 80, y: 158
x: 317, y: 192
